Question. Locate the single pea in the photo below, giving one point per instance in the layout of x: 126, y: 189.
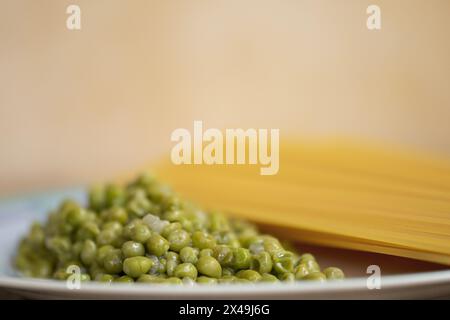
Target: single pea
x: 75, y: 216
x: 241, y: 258
x: 223, y: 254
x: 88, y: 230
x: 186, y: 270
x: 102, y: 252
x: 203, y: 240
x: 128, y: 230
x: 287, y: 277
x: 124, y: 279
x: 179, y: 239
x: 170, y: 228
x: 272, y: 245
x: 172, y: 261
x: 107, y: 278
x: 267, y: 277
x: 301, y: 271
x: 88, y: 252
x: 157, y: 245
x: 107, y: 237
x: 116, y: 214
x: 114, y: 195
x: 206, y: 280
x: 315, y: 276
x: 251, y: 275
x: 189, y: 254
x: 148, y: 278
x: 113, y: 262
x: 97, y: 197
x: 283, y: 261
x: 306, y: 256
x: 210, y: 267
x: 173, y: 215
x: 227, y: 279
x: 333, y: 273
x: 141, y: 233
x: 262, y: 262
x: 206, y: 252
x: 137, y: 266
x: 226, y: 271
x: 132, y: 249
x: 172, y: 281
x: 312, y: 266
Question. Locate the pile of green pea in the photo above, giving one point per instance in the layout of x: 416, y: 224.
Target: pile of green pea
x: 143, y: 232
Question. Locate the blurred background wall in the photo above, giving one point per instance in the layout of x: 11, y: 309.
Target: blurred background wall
x: 77, y: 106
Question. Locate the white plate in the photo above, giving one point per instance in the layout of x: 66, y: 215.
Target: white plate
x: 401, y: 278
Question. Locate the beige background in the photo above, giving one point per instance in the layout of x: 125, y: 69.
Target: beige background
x: 82, y: 105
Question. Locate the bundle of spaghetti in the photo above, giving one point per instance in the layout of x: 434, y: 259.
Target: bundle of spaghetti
x: 335, y: 193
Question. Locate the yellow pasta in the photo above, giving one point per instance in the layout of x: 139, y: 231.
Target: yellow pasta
x: 335, y: 193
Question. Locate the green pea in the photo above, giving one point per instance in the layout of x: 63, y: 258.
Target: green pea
x: 209, y: 266
x: 251, y: 275
x: 157, y: 245
x: 283, y: 261
x: 141, y: 233
x: 88, y: 252
x: 97, y: 197
x: 312, y: 266
x: 206, y: 252
x: 202, y: 240
x: 102, y: 252
x: 137, y: 266
x: 287, y: 277
x: 301, y: 271
x: 113, y: 262
x: 179, y: 239
x: 267, y: 277
x: 223, y: 254
x: 306, y: 256
x: 172, y: 261
x: 241, y: 258
x: 172, y: 280
x: 170, y: 228
x: 37, y: 236
x: 124, y: 279
x: 147, y: 278
x: 206, y: 280
x: 107, y: 237
x: 132, y: 249
x: 107, y: 278
x: 189, y: 254
x: 75, y: 216
x: 116, y: 214
x: 227, y: 279
x: 262, y: 262
x: 315, y: 276
x: 114, y: 195
x: 226, y: 271
x: 333, y: 273
x: 272, y: 245
x: 186, y: 270
x: 88, y: 230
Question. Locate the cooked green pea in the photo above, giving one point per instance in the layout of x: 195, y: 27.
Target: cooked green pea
x: 223, y: 254
x: 312, y: 266
x: 137, y: 266
x: 170, y: 228
x: 148, y: 278
x: 132, y: 249
x: 333, y: 273
x: 283, y: 261
x: 206, y: 280
x: 251, y: 275
x: 114, y: 195
x: 226, y: 271
x: 189, y: 254
x: 124, y: 279
x: 287, y: 277
x: 116, y: 214
x: 107, y: 237
x: 227, y: 279
x: 206, y: 252
x: 88, y: 252
x: 113, y: 262
x: 179, y: 239
x: 102, y: 252
x: 301, y: 271
x: 88, y: 230
x: 267, y: 277
x: 107, y: 278
x: 172, y: 261
x: 262, y: 262
x: 209, y: 267
x: 141, y: 233
x: 203, y: 240
x: 172, y: 280
x: 186, y: 270
x: 315, y: 276
x: 241, y: 258
x: 157, y: 245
